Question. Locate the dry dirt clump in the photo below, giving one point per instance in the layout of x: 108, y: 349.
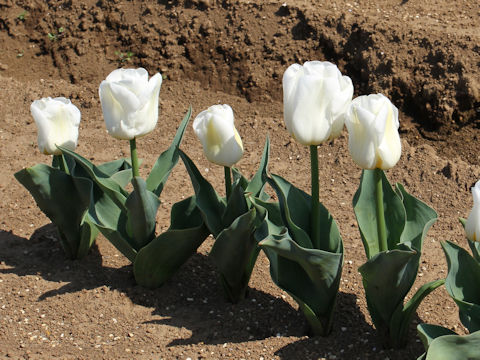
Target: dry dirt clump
x: 424, y: 56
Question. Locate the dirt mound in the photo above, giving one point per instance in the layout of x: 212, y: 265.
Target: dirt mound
x: 425, y: 57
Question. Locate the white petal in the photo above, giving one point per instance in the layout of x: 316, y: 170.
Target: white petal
x: 472, y: 227
x: 309, y: 123
x: 216, y: 131
x: 360, y: 142
x: 113, y: 113
x: 57, y: 121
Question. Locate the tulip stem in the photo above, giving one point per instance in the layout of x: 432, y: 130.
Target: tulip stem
x: 60, y: 159
x: 134, y: 157
x: 228, y: 181
x: 381, y: 226
x: 314, y: 224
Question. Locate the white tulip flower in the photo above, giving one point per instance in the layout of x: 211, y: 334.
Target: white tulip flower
x: 216, y: 131
x: 472, y: 227
x: 372, y: 124
x: 315, y: 99
x: 57, y: 121
x: 130, y: 102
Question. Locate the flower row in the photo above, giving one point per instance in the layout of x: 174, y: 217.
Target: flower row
x: 297, y: 233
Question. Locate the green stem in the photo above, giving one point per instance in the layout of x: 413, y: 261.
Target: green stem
x: 381, y: 226
x: 228, y: 181
x: 62, y: 163
x: 314, y: 224
x: 134, y: 157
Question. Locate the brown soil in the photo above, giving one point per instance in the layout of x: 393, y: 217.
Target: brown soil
x: 424, y: 57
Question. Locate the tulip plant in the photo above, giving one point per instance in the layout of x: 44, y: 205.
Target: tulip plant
x: 463, y: 286
x: 303, y: 243
x: 233, y: 220
x: 392, y: 223
x: 81, y: 198
x: 57, y: 121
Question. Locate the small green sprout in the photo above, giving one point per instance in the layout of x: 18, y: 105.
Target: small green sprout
x: 22, y: 15
x: 56, y: 36
x: 124, y: 57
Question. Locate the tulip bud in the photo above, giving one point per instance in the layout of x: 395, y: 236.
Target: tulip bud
x: 315, y: 98
x: 472, y: 227
x: 216, y: 131
x: 372, y: 124
x: 130, y: 102
x: 57, y: 121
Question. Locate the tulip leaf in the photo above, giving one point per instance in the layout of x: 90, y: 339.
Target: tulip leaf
x: 428, y: 333
x: 211, y: 205
x: 239, y: 179
x: 108, y: 185
x: 419, y: 218
x: 142, y: 208
x: 122, y: 177
x: 167, y: 160
x: 462, y: 284
x: 259, y: 180
x: 365, y: 211
x: 234, y: 253
x: 64, y: 199
x: 448, y: 347
x: 311, y: 276
x: 236, y: 206
x: 112, y: 223
x: 274, y: 216
x: 295, y: 209
x: 118, y: 240
x: 88, y: 233
x: 475, y: 247
x: 162, y: 257
x: 387, y: 280
x: 112, y: 167
x: 402, y: 317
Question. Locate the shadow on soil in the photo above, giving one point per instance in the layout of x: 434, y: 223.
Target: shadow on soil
x: 193, y: 300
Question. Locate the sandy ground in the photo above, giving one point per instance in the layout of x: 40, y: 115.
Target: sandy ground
x: 424, y: 57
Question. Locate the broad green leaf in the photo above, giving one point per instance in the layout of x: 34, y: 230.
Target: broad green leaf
x: 64, y: 199
x: 118, y: 240
x: 402, y: 317
x: 239, y: 179
x: 475, y: 247
x: 112, y: 222
x: 449, y: 347
x: 109, y: 186
x: 428, y: 333
x: 112, y: 167
x: 88, y: 233
x: 295, y: 206
x: 260, y: 178
x: 311, y: 276
x: 167, y: 160
x: 236, y: 206
x: 162, y: 257
x: 274, y: 214
x: 234, y: 253
x: 462, y: 283
x: 211, y: 205
x: 419, y: 218
x: 122, y: 177
x: 365, y: 211
x: 142, y: 206
x: 387, y: 280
